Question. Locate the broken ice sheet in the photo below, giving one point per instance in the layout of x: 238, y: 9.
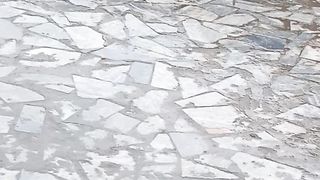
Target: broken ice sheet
x: 151, y: 102
x: 50, y: 30
x: 120, y: 122
x: 263, y: 139
x: 233, y: 57
x: 85, y: 18
x: 288, y: 86
x: 220, y: 117
x: 190, y: 87
x: 278, y: 14
x: 116, y: 9
x: 267, y: 42
x: 117, y: 51
x: 152, y: 46
x: 181, y: 125
x: 102, y: 109
x: 58, y: 57
x: 215, y: 160
x: 36, y: 40
x: 194, y: 170
x: 305, y: 66
x: 262, y: 73
x: 302, y: 17
x: 31, y: 119
x: 184, y: 64
x: 14, y: 94
x: 60, y: 87
x: 137, y: 27
x: 60, y: 19
x: 206, y: 99
x: 161, y: 157
x: 90, y: 61
x: 87, y: 3
x: 28, y: 175
x: 9, y: 30
x: 141, y: 72
x: 163, y: 77
x: 152, y: 124
x: 236, y: 19
x: 197, y: 13
x: 312, y: 78
x: 114, y: 28
x: 191, y: 62
x: 221, y: 10
x: 233, y: 84
x: 7, y: 12
x: 27, y: 19
x: 238, y: 46
x: 172, y: 41
x: 312, y: 53
x: 117, y: 74
x: 289, y: 128
x: 93, y: 139
x: 224, y: 29
x: 301, y: 112
x: 197, y: 32
x: 254, y: 7
x: 93, y: 88
x: 27, y: 6
x: 81, y: 34
x: 123, y: 140
x: 67, y: 109
x: 196, y: 144
x: 258, y: 168
x: 5, y: 122
x: 162, y: 28
x: 45, y: 79
x: 161, y: 142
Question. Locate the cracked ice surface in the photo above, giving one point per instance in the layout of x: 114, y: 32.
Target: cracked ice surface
x: 159, y: 89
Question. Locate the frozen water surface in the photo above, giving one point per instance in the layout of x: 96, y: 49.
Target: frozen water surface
x: 159, y: 89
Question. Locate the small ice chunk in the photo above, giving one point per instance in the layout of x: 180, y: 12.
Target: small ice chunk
x: 31, y: 119
x: 162, y: 141
x: 163, y: 77
x: 102, y: 109
x: 141, y: 72
x: 196, y: 144
x: 121, y: 123
x: 137, y: 28
x: 114, y: 28
x: 289, y: 128
x: 152, y: 124
x: 151, y: 102
x: 81, y: 34
x: 50, y: 30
